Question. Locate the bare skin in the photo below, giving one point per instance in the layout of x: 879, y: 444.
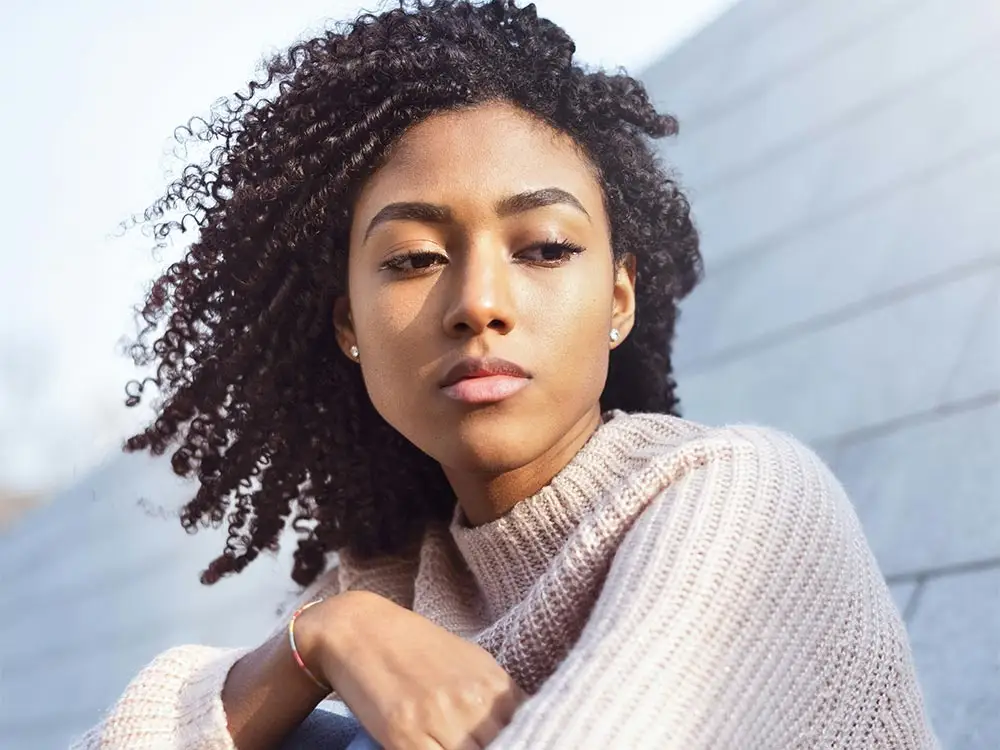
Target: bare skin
x: 418, y: 688
x: 483, y: 236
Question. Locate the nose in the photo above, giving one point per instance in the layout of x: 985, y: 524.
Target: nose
x: 479, y: 293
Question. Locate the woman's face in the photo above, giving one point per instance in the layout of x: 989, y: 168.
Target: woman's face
x: 482, y: 289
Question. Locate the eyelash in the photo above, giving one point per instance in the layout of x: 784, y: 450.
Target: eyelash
x: 397, y: 263
x: 569, y: 249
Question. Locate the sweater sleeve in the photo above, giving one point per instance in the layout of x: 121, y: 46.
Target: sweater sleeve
x: 743, y: 609
x: 176, y: 700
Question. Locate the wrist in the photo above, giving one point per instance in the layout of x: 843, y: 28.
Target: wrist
x: 302, y: 640
x: 326, y: 633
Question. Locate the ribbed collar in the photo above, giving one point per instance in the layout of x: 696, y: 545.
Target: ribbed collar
x: 508, y: 555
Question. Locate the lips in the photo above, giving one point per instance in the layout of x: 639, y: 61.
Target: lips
x: 482, y: 368
x: 483, y: 381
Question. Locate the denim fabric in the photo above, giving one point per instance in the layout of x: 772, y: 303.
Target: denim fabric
x: 325, y: 730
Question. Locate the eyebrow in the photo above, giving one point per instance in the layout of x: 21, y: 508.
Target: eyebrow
x: 533, y: 199
x: 430, y: 213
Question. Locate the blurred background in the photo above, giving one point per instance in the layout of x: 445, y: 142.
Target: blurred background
x: 843, y: 162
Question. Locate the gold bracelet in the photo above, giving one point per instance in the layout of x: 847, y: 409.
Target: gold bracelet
x: 295, y: 651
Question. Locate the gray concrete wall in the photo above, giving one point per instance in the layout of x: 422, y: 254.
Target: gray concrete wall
x: 101, y: 580
x: 843, y: 160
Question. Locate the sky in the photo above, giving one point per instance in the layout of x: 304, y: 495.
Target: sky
x: 93, y: 93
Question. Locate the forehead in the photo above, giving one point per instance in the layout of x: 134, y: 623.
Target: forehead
x: 480, y: 154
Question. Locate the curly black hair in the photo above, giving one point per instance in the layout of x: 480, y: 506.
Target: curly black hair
x: 254, y: 393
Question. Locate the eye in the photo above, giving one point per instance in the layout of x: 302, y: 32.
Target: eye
x: 552, y: 253
x: 414, y: 262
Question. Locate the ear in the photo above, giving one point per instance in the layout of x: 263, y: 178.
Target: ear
x: 623, y: 301
x: 343, y: 326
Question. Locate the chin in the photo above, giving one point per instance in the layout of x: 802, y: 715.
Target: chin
x: 490, y: 443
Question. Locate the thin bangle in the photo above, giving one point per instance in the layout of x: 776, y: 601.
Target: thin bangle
x: 295, y: 651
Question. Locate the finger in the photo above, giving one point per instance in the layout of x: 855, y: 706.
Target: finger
x: 422, y: 742
x: 488, y: 729
x: 518, y: 695
x: 459, y: 741
x: 403, y: 736
x: 508, y: 702
x: 456, y: 730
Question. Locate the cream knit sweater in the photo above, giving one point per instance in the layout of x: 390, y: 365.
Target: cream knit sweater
x: 675, y: 586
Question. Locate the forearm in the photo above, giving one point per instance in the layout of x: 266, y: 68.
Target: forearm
x: 266, y: 695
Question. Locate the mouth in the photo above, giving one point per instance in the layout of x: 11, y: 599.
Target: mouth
x: 484, y: 381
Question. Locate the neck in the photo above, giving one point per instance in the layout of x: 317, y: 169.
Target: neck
x: 485, y: 497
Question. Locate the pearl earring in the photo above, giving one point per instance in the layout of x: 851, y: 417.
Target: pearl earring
x: 355, y: 352
x: 614, y: 335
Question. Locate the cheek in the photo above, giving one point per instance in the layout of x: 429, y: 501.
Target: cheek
x: 572, y: 310
x: 568, y: 326
x: 392, y: 330
x: 576, y: 300
x: 386, y: 317
x: 381, y: 314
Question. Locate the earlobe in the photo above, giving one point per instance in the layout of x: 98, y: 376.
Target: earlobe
x: 623, y: 312
x: 343, y: 326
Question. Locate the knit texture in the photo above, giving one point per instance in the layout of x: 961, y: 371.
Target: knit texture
x: 674, y: 586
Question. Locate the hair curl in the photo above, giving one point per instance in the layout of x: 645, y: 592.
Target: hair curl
x: 254, y: 393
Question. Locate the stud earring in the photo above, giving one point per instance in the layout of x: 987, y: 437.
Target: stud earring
x: 355, y: 352
x: 614, y: 335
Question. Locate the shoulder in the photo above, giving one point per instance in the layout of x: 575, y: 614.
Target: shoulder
x: 750, y: 566
x: 656, y: 437
x: 753, y: 487
x: 665, y: 433
x: 665, y: 447
x: 751, y: 518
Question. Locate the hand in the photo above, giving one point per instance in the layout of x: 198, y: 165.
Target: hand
x: 412, y: 684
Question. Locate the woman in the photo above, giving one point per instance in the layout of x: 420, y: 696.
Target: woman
x: 427, y: 320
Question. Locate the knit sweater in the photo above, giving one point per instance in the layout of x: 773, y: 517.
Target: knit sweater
x: 674, y: 586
